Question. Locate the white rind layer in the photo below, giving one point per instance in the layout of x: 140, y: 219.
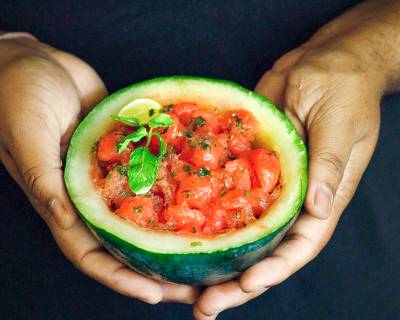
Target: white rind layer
x: 275, y: 132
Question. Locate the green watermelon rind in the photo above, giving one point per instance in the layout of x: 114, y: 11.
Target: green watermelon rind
x: 195, y: 268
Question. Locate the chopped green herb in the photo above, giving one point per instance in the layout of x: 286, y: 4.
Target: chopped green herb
x: 109, y: 175
x: 124, y: 194
x: 138, y: 209
x: 187, y: 168
x: 194, y: 230
x: 204, y: 144
x: 199, y: 122
x: 151, y: 112
x: 195, y: 244
x: 239, y: 121
x: 95, y: 146
x: 236, y: 216
x: 192, y: 144
x: 122, y: 170
x: 168, y: 108
x: 173, y: 174
x: 181, y: 134
x: 171, y: 150
x: 203, y: 172
x: 246, y: 193
x: 223, y: 191
x: 188, y: 134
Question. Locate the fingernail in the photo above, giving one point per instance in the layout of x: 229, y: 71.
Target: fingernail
x: 323, y: 200
x: 57, y: 211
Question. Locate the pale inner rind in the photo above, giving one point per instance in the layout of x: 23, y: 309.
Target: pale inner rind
x: 274, y: 132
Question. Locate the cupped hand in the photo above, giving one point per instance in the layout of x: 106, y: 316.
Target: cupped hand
x: 333, y: 101
x: 43, y: 94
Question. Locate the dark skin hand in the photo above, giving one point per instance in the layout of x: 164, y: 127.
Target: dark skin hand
x: 49, y: 89
x: 330, y: 87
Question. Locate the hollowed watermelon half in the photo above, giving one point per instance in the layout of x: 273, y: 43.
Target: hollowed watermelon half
x: 188, y: 258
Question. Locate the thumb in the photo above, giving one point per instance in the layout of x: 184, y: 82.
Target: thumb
x: 36, y: 157
x: 330, y: 141
x: 41, y: 100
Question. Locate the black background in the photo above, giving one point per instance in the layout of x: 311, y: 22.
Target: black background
x: 357, y: 275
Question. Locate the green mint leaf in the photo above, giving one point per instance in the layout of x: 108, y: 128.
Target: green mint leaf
x: 133, y: 137
x: 161, y: 120
x: 199, y: 122
x: 203, y: 172
x: 143, y: 170
x: 130, y: 121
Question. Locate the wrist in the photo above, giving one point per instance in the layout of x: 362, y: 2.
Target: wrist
x: 368, y: 61
x: 340, y: 59
x: 370, y: 32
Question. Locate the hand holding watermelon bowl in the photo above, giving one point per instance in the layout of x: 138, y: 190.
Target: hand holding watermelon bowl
x: 66, y: 87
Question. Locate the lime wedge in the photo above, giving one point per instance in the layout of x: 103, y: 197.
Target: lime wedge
x: 143, y: 109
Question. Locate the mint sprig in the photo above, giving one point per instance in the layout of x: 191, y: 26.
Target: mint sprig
x: 136, y: 136
x: 144, y: 165
x: 130, y: 121
x: 161, y: 120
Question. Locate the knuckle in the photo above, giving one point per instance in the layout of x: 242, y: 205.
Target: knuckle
x: 215, y: 306
x: 290, y: 58
x: 83, y: 262
x: 296, y: 76
x: 330, y: 161
x: 305, y: 77
x: 35, y: 180
x: 32, y: 177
